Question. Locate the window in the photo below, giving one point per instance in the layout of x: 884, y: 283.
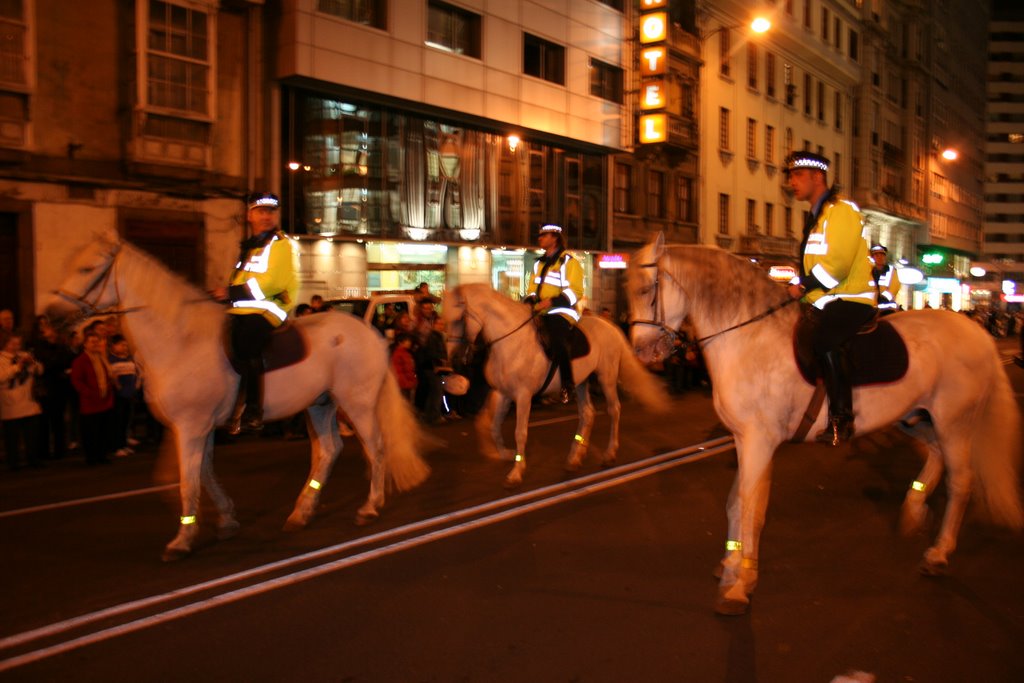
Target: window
x: 751, y: 139
x: 751, y: 217
x: 837, y: 34
x: 787, y: 73
x: 839, y: 110
x: 684, y: 198
x: 769, y: 218
x: 177, y: 59
x: 723, y: 129
x: 752, y: 65
x: 614, y: 4
x: 453, y: 29
x: 769, y: 144
x: 543, y: 59
x: 723, y: 214
x: 787, y: 220
x: 825, y: 21
x: 852, y: 45
x: 15, y: 65
x: 789, y: 141
x: 368, y: 12
x: 623, y: 188
x: 807, y: 14
x: 605, y: 81
x: 821, y: 101
x: 807, y: 94
x: 724, y: 50
x: 655, y: 194
x: 769, y: 74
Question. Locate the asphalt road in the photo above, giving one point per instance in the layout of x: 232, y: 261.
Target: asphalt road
x: 461, y: 580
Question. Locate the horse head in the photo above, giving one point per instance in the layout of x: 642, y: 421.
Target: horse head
x: 88, y: 287
x: 656, y: 310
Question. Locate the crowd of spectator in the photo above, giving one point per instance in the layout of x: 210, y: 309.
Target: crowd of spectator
x: 61, y: 392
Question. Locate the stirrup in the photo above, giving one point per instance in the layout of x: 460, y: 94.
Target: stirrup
x: 838, y: 430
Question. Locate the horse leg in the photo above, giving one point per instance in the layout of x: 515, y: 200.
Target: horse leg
x: 368, y: 430
x: 614, y: 407
x: 227, y: 524
x: 581, y: 441
x: 748, y: 503
x: 191, y: 451
x: 515, y: 476
x: 956, y: 450
x: 488, y: 425
x: 915, y: 507
x: 324, y: 448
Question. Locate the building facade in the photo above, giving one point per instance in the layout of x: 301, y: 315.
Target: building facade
x: 1004, y: 160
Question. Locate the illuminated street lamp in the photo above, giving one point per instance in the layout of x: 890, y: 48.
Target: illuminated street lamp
x: 950, y: 154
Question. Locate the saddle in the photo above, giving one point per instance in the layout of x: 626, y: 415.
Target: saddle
x: 875, y: 355
x: 287, y: 346
x: 579, y: 345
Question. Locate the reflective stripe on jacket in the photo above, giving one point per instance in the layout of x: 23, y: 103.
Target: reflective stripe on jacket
x: 836, y: 254
x: 265, y: 280
x: 563, y: 282
x: 888, y: 288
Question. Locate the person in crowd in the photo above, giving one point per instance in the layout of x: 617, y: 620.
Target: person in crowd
x: 56, y: 355
x: 128, y: 380
x: 303, y: 310
x: 431, y: 361
x: 6, y: 325
x: 886, y: 279
x: 91, y: 378
x: 404, y: 366
x: 262, y: 291
x: 422, y: 293
x: 835, y: 280
x: 19, y: 411
x: 554, y: 292
x: 316, y: 304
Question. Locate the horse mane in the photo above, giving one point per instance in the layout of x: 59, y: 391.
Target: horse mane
x: 182, y: 305
x: 720, y: 285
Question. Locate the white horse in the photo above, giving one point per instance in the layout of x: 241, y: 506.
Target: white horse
x: 954, y: 373
x: 517, y: 367
x: 178, y: 336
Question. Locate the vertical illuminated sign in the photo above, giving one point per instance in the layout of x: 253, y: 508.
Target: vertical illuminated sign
x: 653, y: 128
x: 654, y: 28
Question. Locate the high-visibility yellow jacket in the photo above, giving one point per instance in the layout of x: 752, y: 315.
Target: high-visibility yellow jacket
x: 265, y: 280
x: 835, y: 256
x: 562, y: 281
x: 888, y: 286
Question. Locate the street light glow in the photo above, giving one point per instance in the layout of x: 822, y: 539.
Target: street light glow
x: 760, y: 25
x: 950, y: 154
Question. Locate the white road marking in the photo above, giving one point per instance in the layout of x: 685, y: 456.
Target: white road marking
x: 516, y: 505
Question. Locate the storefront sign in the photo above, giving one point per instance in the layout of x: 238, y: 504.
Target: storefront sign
x: 654, y: 27
x: 612, y: 260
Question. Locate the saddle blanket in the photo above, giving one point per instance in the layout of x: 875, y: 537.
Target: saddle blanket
x: 876, y: 356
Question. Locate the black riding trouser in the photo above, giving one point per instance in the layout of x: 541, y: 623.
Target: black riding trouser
x: 834, y: 325
x: 558, y: 329
x: 250, y: 334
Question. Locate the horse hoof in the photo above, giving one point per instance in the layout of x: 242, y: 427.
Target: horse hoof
x: 931, y: 568
x: 174, y: 554
x: 731, y: 608
x: 364, y: 518
x: 607, y: 463
x: 573, y: 466
x: 291, y: 526
x: 512, y: 483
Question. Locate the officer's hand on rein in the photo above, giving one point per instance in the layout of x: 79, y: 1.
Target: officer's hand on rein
x: 795, y: 291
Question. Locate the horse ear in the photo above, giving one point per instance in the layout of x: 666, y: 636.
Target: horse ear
x: 658, y: 244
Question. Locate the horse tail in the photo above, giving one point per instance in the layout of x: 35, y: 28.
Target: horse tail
x: 638, y: 382
x: 996, y: 451
x: 402, y: 437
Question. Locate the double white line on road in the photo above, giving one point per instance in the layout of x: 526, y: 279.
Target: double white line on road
x: 444, y: 526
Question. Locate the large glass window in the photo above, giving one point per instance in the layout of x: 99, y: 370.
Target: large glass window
x: 178, y: 59
x: 605, y: 81
x: 543, y: 59
x: 453, y: 29
x: 368, y: 12
x: 356, y: 169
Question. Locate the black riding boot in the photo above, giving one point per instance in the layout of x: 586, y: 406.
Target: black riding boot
x: 252, y: 382
x: 565, y: 373
x: 840, y: 399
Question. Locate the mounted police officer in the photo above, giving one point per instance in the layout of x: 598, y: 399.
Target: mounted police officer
x: 262, y: 290
x: 835, y: 280
x: 554, y: 292
x: 887, y: 281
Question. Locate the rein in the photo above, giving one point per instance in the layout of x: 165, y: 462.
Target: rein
x: 659, y: 307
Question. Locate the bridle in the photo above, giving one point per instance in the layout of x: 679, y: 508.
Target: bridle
x: 82, y: 301
x: 658, y: 306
